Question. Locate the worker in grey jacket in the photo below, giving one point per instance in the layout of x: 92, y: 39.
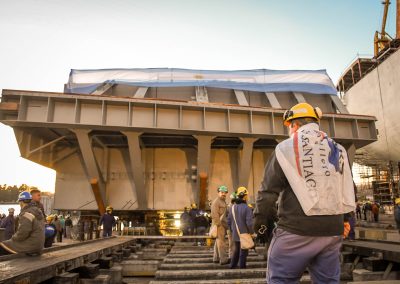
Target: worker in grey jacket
x: 218, y: 216
x: 29, y: 237
x: 311, y: 175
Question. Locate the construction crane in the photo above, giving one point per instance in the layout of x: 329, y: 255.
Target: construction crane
x: 382, y: 39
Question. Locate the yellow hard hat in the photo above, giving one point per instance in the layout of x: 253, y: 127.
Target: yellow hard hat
x: 301, y: 110
x: 242, y: 191
x: 50, y: 218
x: 109, y: 208
x: 194, y: 206
x: 397, y: 200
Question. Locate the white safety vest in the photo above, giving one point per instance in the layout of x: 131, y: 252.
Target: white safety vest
x: 318, y: 171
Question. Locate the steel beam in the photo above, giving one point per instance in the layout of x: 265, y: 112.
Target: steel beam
x: 339, y: 104
x: 135, y: 157
x: 299, y: 97
x: 44, y: 146
x: 141, y: 92
x: 203, y: 158
x: 201, y: 94
x: 273, y: 101
x: 165, y: 117
x: 241, y: 98
x: 351, y: 153
x: 95, y: 178
x: 102, y: 89
x: 245, y: 161
x: 66, y: 153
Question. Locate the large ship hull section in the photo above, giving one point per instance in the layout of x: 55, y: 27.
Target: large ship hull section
x: 378, y: 94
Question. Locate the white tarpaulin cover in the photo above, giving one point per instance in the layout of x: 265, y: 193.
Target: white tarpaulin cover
x: 260, y: 80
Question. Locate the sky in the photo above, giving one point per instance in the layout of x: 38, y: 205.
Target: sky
x: 40, y: 41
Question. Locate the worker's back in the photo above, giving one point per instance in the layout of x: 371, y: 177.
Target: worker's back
x: 29, y: 237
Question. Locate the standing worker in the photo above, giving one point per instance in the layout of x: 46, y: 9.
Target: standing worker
x: 108, y: 222
x: 62, y: 222
x: 240, y: 221
x: 397, y: 213
x: 57, y: 224
x: 8, y: 224
x: 68, y: 227
x: 36, y: 197
x: 50, y: 232
x: 193, y: 212
x: 185, y: 222
x: 29, y: 237
x: 231, y: 244
x: 218, y: 216
x: 201, y: 223
x: 312, y: 176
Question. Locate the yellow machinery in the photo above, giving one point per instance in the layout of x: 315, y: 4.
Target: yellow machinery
x: 382, y: 39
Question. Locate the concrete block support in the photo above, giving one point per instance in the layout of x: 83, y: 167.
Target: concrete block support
x: 363, y: 275
x: 139, y: 267
x: 114, y: 272
x: 100, y: 279
x: 105, y: 262
x: 90, y: 270
x: 67, y: 278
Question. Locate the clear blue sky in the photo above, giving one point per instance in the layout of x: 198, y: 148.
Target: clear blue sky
x: 40, y: 41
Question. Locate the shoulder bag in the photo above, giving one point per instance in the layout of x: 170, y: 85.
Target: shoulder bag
x: 246, y: 241
x: 214, y: 228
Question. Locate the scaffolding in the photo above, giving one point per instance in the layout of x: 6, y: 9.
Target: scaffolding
x: 377, y: 183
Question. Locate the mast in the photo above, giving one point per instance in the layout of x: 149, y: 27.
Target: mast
x: 398, y: 19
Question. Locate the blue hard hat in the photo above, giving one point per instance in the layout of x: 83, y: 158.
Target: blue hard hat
x: 23, y: 196
x: 49, y: 231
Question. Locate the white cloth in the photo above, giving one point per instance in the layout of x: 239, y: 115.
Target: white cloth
x: 318, y: 171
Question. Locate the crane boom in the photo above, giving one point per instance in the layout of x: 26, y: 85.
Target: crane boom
x: 382, y: 39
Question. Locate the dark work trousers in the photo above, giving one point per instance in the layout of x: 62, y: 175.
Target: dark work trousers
x: 239, y: 255
x: 107, y: 233
x: 358, y: 213
x: 59, y: 236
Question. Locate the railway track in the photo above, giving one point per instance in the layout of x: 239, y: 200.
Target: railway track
x: 171, y: 260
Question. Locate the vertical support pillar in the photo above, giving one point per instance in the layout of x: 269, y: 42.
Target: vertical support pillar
x: 135, y: 157
x: 203, y: 165
x: 246, y: 161
x: 92, y: 169
x: 351, y: 152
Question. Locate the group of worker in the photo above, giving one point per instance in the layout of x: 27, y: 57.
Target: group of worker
x: 233, y: 219
x: 370, y: 211
x: 194, y: 222
x: 29, y: 236
x: 308, y: 175
x: 56, y: 228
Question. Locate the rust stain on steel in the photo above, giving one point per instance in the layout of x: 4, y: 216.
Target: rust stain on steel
x: 7, y: 106
x: 203, y: 190
x: 96, y: 191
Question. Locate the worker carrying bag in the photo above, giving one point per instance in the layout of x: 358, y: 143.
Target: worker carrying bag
x: 246, y: 240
